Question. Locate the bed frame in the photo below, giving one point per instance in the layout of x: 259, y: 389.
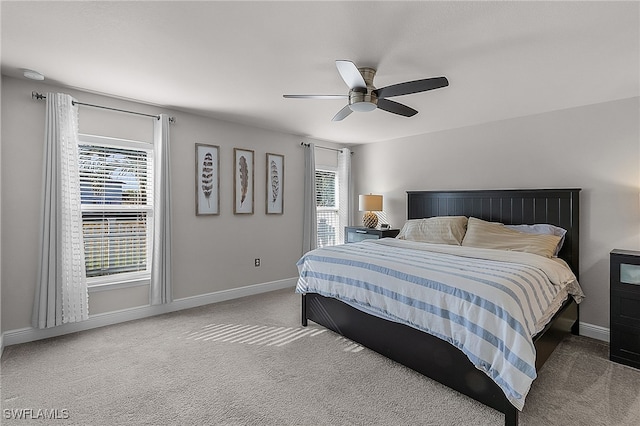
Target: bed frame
x: 436, y: 358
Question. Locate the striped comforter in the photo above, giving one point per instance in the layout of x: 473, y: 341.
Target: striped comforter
x: 487, y: 303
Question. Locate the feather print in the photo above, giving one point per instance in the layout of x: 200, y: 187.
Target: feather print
x: 275, y: 182
x: 244, y: 178
x: 207, y: 177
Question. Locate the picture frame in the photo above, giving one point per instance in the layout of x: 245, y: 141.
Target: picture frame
x: 243, y: 181
x: 207, y: 179
x: 274, y: 184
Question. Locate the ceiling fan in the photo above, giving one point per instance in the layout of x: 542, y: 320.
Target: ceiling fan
x: 364, y: 97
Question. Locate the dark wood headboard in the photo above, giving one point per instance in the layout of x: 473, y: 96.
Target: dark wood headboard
x: 560, y: 207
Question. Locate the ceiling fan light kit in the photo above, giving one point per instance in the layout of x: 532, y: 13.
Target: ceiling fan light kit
x: 361, y: 102
x: 364, y: 97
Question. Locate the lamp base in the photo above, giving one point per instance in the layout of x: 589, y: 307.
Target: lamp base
x: 370, y: 220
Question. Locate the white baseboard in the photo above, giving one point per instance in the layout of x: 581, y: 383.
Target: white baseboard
x: 30, y: 334
x: 595, y: 332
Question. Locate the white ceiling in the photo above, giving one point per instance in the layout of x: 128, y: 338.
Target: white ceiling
x: 235, y: 60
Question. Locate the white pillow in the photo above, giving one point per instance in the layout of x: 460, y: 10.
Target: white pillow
x: 495, y: 235
x: 542, y: 228
x: 435, y: 230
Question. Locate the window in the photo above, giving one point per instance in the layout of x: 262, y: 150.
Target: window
x: 116, y: 191
x: 327, y: 207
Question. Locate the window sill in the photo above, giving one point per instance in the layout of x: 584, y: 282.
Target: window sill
x: 116, y: 285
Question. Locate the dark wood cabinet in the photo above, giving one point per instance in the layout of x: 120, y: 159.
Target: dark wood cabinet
x: 354, y: 234
x: 625, y: 307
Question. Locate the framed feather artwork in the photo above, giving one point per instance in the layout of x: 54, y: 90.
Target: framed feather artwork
x: 207, y: 179
x: 275, y: 184
x: 243, y: 179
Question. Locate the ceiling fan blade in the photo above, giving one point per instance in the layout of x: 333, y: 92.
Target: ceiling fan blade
x: 342, y: 114
x: 316, y: 96
x: 411, y: 87
x: 396, y: 108
x: 350, y: 74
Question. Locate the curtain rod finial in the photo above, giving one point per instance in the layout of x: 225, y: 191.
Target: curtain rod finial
x: 37, y: 96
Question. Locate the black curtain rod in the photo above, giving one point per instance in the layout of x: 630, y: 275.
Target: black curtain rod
x: 323, y: 147
x: 39, y: 96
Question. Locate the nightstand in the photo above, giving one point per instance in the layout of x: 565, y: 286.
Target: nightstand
x: 354, y: 234
x: 625, y: 307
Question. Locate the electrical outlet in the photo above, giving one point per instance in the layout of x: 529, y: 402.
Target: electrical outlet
x: 256, y: 262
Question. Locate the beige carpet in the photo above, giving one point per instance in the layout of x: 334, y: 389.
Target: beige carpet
x: 248, y: 362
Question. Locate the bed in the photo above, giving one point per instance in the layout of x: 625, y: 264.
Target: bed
x: 444, y: 359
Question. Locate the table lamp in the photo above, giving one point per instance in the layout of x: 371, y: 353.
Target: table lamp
x: 370, y: 203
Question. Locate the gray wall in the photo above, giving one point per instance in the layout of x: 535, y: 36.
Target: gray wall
x: 1, y: 337
x: 211, y: 253
x: 596, y: 148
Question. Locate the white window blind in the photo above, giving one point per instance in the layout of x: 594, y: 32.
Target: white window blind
x: 327, y: 207
x: 116, y: 187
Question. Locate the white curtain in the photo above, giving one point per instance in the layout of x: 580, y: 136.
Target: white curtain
x: 309, y: 222
x: 61, y: 293
x: 161, y: 258
x: 345, y: 191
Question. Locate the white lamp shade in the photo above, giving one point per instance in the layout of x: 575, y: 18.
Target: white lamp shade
x: 370, y: 203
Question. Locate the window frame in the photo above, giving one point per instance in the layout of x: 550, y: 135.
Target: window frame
x: 124, y: 279
x: 336, y: 190
x: 335, y: 210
